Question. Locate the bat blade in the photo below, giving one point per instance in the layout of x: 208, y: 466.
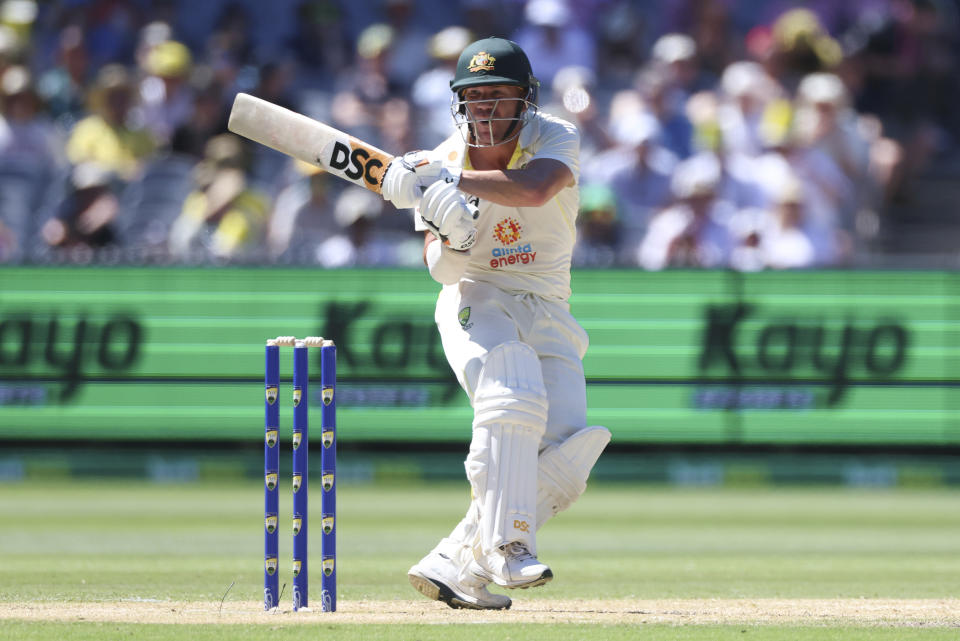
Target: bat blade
x: 308, y: 140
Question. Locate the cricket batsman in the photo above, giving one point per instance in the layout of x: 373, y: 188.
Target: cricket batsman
x: 498, y: 203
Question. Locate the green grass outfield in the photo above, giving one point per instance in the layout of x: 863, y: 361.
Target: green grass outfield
x: 98, y: 560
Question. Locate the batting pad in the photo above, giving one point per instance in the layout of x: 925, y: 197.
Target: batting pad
x: 510, y: 417
x: 564, y: 469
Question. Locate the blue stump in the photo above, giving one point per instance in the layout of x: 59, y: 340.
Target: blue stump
x: 301, y: 473
x: 271, y: 469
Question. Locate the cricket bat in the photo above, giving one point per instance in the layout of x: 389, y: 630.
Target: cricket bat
x: 308, y: 140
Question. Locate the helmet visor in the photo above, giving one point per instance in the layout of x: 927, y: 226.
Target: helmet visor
x: 489, y: 122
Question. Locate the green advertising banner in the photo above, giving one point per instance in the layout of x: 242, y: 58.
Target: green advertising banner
x: 696, y: 357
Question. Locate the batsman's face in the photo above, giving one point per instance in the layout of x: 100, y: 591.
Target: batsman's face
x: 493, y: 108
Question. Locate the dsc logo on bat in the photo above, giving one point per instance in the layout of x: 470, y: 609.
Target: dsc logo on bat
x: 355, y: 163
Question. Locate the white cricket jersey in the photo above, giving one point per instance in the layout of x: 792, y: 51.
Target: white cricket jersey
x: 526, y: 249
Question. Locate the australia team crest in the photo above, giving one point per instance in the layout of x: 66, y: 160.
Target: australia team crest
x: 481, y: 61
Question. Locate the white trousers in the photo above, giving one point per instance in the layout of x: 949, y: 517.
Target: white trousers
x: 494, y: 317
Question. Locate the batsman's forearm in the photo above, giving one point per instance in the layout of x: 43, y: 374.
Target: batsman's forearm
x: 531, y: 186
x: 504, y: 187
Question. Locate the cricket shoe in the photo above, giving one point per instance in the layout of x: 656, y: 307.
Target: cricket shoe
x: 511, y: 566
x: 438, y: 577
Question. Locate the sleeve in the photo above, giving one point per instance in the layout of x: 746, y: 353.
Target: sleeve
x: 559, y: 140
x: 445, y: 265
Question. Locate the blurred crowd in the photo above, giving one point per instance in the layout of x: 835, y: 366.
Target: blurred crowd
x: 716, y: 133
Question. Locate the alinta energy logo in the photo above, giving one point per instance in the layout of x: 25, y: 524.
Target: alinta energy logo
x: 508, y: 232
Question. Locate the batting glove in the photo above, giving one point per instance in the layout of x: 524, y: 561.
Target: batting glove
x: 408, y: 177
x: 445, y: 210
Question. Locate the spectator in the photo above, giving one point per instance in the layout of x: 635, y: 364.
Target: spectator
x: 748, y: 228
x: 10, y: 48
x: 621, y: 42
x: 84, y: 222
x: 408, y: 56
x: 63, y: 88
x: 107, y: 137
x: 208, y: 119
x: 738, y: 186
x: 431, y: 90
x: 360, y: 241
x: 230, y: 48
x: 799, y: 45
x: 395, y: 127
x: 302, y: 216
x: 658, y: 97
x: 362, y: 93
x: 825, y: 121
x: 20, y: 18
x: 166, y: 97
x: 711, y: 27
x: 676, y: 55
x: 746, y: 90
x: 268, y: 168
x: 25, y: 132
x: 152, y: 35
x: 274, y: 84
x: 872, y: 162
x: 785, y: 241
x: 573, y: 97
x: 223, y: 218
x: 694, y: 231
x: 827, y: 189
x: 901, y: 66
x: 111, y: 30
x: 552, y: 40
x: 638, y: 170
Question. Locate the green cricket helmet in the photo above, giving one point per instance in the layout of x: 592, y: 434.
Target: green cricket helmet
x: 493, y: 61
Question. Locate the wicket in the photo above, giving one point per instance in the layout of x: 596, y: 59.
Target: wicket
x: 301, y: 476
